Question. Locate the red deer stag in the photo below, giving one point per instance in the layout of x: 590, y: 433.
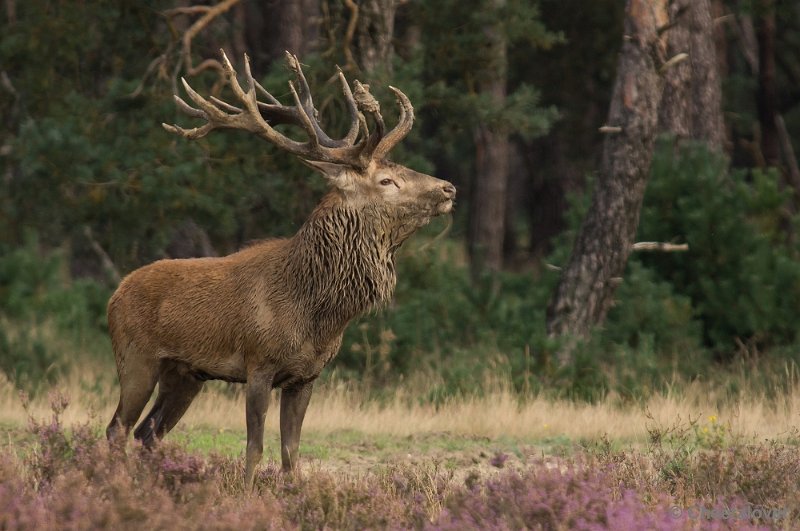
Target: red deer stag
x: 273, y: 314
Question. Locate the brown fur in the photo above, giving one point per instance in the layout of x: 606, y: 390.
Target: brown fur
x: 270, y: 315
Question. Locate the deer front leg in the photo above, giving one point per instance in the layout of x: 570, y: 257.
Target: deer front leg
x: 294, y: 402
x: 259, y: 385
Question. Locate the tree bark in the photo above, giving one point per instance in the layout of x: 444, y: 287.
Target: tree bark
x: 707, y: 121
x: 675, y: 111
x: 488, y: 197
x: 277, y: 26
x: 767, y: 94
x: 586, y: 288
x: 375, y: 35
x: 691, y: 106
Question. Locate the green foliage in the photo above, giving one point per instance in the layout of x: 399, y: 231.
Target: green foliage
x: 441, y: 322
x: 740, y: 274
x: 45, y: 316
x: 458, y: 59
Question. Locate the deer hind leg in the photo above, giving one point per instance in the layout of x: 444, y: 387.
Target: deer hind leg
x: 177, y: 388
x: 136, y: 383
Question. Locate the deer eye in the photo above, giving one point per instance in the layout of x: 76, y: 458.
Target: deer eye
x: 387, y: 182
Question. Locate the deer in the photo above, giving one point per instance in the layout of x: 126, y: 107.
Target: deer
x: 273, y: 314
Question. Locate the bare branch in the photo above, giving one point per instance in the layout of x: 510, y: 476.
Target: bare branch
x: 672, y: 61
x: 788, y: 154
x: 108, y: 264
x: 349, y: 34
x: 155, y: 63
x: 209, y: 14
x: 5, y: 82
x: 190, y: 10
x: 661, y: 247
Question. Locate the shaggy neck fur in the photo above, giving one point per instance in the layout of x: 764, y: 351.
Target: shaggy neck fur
x: 341, y: 262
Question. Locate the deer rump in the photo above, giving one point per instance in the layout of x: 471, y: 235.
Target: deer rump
x: 273, y: 314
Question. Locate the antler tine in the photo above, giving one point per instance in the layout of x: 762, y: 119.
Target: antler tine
x: 225, y: 106
x: 305, y: 120
x: 191, y: 134
x: 303, y: 90
x: 306, y: 103
x: 248, y: 98
x: 207, y: 111
x: 188, y: 109
x: 352, y: 134
x: 368, y: 104
x: 267, y: 95
x: 251, y: 83
x: 404, y: 124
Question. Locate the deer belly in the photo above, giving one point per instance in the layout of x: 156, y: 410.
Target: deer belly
x: 230, y: 369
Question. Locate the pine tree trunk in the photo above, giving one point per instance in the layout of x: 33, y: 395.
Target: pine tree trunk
x: 767, y: 111
x: 488, y: 197
x: 276, y: 26
x: 675, y: 111
x: 707, y: 121
x: 488, y: 201
x: 375, y: 35
x: 586, y: 288
x: 691, y: 106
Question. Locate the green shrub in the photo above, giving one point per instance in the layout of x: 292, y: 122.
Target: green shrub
x: 46, y: 317
x: 742, y: 277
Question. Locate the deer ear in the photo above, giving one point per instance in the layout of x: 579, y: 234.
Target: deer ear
x: 338, y: 174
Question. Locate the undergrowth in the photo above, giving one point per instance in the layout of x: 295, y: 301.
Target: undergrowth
x: 69, y: 478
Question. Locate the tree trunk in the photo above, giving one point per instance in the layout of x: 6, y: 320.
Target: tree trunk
x: 488, y: 197
x: 767, y: 99
x: 707, y: 122
x: 586, y: 288
x: 375, y: 35
x: 276, y: 26
x: 691, y: 105
x: 675, y: 111
x: 488, y: 201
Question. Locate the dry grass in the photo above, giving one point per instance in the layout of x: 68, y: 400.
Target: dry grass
x: 499, y: 413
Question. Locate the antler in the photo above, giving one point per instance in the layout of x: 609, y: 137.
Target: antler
x: 259, y: 117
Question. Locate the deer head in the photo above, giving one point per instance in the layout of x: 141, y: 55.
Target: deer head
x: 356, y: 165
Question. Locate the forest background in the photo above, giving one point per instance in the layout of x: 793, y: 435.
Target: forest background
x: 510, y: 98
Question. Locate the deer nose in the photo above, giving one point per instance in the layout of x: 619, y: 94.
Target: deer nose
x: 449, y: 190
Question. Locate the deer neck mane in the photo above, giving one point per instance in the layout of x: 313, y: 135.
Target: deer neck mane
x: 341, y: 262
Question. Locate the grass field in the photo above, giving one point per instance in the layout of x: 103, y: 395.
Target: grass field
x: 489, y: 461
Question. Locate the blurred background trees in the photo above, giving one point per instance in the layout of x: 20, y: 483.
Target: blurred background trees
x: 509, y: 96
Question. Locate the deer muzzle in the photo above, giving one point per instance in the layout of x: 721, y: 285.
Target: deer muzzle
x: 446, y: 205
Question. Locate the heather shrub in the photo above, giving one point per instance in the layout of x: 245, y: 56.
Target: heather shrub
x: 702, y: 464
x: 552, y: 496
x: 72, y: 479
x: 764, y: 474
x: 76, y: 481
